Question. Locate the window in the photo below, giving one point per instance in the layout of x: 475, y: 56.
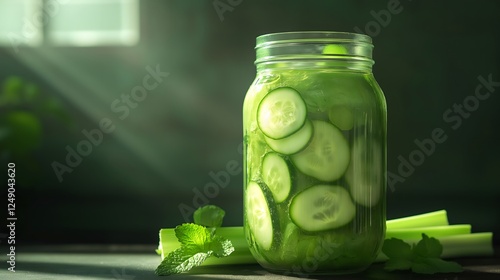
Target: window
x: 16, y: 22
x: 95, y: 22
x: 69, y: 22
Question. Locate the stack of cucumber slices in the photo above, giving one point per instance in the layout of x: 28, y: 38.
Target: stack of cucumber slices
x: 314, y: 148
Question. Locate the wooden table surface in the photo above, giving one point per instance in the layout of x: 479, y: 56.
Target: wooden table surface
x: 138, y: 262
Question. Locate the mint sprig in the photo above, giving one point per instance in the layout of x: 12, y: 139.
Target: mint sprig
x: 197, y: 244
x: 209, y: 216
x: 181, y: 260
x: 424, y: 257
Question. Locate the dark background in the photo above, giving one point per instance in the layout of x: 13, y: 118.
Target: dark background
x: 428, y: 57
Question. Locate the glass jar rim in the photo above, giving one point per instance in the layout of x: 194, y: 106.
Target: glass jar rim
x: 338, y: 49
x: 321, y: 37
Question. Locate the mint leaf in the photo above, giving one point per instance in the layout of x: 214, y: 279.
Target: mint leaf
x: 428, y: 247
x: 181, y: 260
x: 423, y: 268
x: 398, y: 264
x: 439, y: 265
x: 396, y: 248
x: 209, y: 216
x: 424, y: 257
x: 193, y: 235
x: 197, y: 244
x: 399, y: 253
x: 221, y: 246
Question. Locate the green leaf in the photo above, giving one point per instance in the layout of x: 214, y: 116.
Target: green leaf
x: 11, y: 93
x: 221, y: 246
x: 181, y: 260
x: 193, y: 235
x: 428, y: 247
x: 209, y: 216
x: 25, y: 132
x: 197, y: 244
x: 31, y: 92
x: 398, y: 264
x: 397, y: 248
x: 423, y: 268
x: 423, y: 258
x: 435, y: 265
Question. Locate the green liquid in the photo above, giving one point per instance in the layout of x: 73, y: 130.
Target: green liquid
x: 352, y: 102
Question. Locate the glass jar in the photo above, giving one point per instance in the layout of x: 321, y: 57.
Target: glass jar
x: 314, y: 123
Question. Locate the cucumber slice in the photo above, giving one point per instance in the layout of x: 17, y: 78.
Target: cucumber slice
x: 341, y: 117
x: 364, y: 174
x: 258, y: 216
x: 322, y: 207
x: 281, y: 113
x: 335, y: 49
x: 276, y: 175
x: 293, y: 143
x: 327, y: 156
x: 291, y: 238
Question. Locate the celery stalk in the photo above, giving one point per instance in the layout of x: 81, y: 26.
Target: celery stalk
x: 168, y: 242
x: 457, y: 241
x: 467, y: 245
x: 436, y: 218
x: 434, y: 231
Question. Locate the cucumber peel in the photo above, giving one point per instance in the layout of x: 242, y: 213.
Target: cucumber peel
x: 322, y: 207
x: 281, y: 113
x: 258, y: 216
x: 276, y: 175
